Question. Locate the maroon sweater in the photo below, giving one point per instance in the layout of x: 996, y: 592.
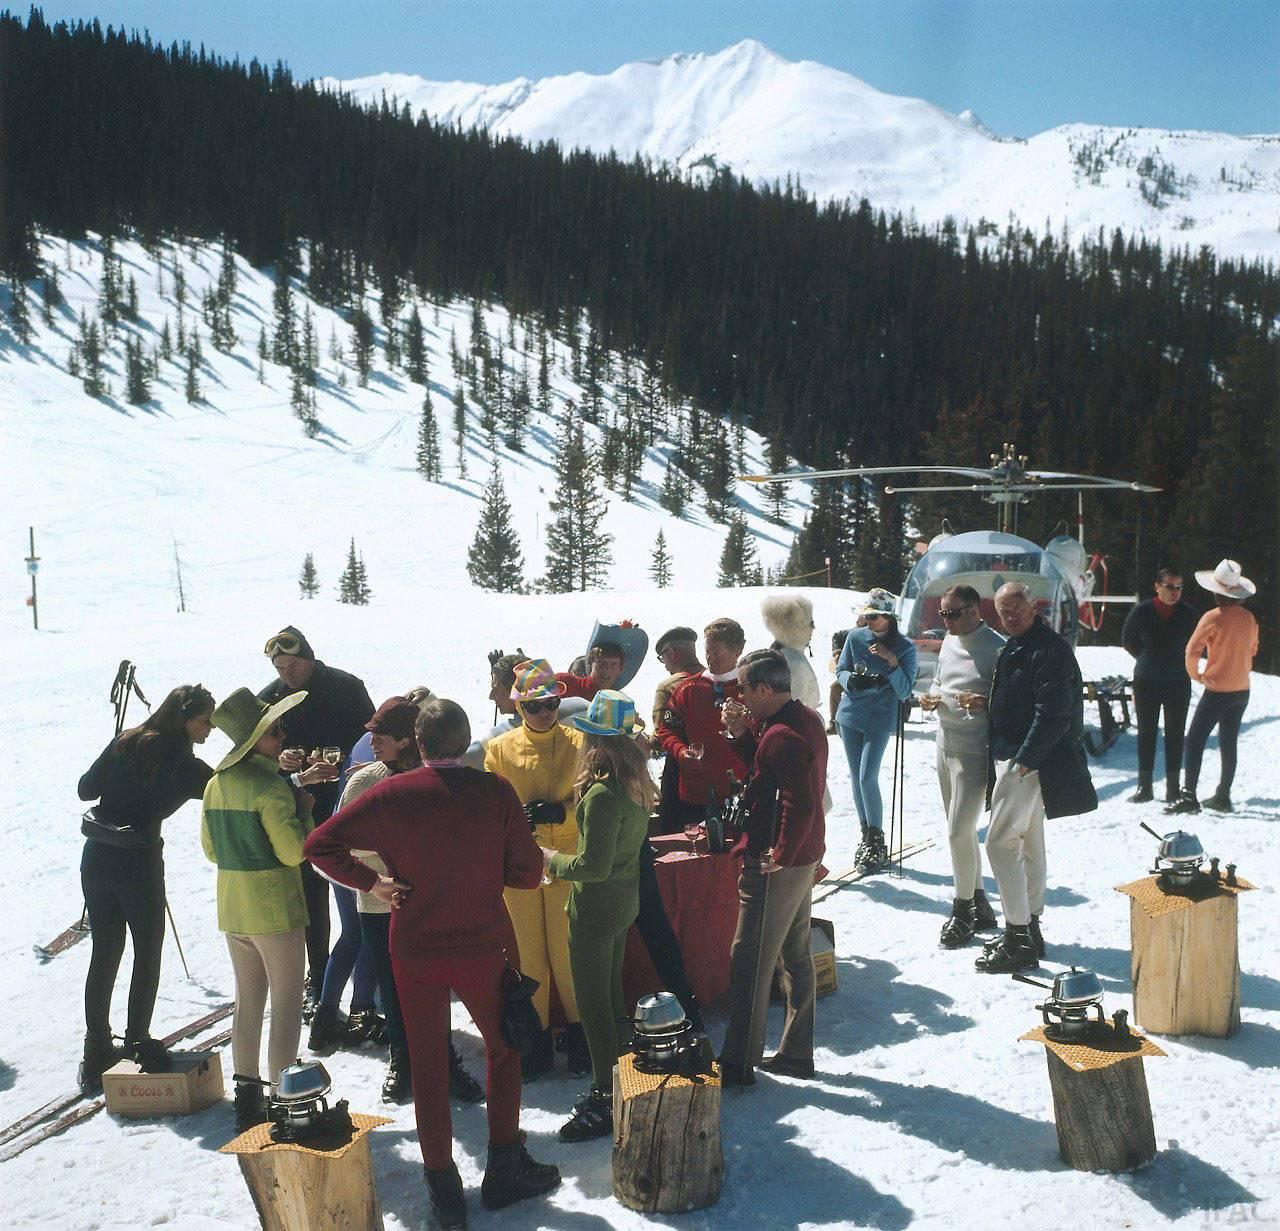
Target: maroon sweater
x: 457, y: 835
x: 790, y: 763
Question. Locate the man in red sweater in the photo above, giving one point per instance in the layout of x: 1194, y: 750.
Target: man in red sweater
x: 452, y: 838
x: 691, y: 732
x: 784, y: 839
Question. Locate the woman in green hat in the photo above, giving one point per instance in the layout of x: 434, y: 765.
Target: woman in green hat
x: 253, y: 828
x: 614, y: 796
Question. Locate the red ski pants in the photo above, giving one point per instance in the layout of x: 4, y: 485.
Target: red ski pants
x: 424, y: 985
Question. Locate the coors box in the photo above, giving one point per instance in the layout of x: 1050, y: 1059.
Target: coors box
x: 822, y: 944
x: 194, y: 1083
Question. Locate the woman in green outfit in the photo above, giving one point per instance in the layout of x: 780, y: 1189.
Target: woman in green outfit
x: 615, y: 796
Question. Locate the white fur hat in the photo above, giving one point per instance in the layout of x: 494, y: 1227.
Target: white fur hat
x: 789, y: 618
x: 1228, y: 578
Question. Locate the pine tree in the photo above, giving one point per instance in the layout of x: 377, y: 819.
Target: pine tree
x: 166, y: 341
x: 578, y: 550
x: 428, y: 442
x: 353, y: 585
x: 675, y: 490
x: 136, y: 382
x: 19, y: 311
x: 494, y: 560
x: 51, y: 292
x: 415, y: 347
x: 309, y: 352
x: 660, y: 566
x: 109, y: 295
x: 91, y: 356
x: 362, y: 344
x: 309, y: 581
x: 129, y: 310
x: 460, y: 429
x: 284, y: 342
x: 738, y: 564
x: 193, y: 367
x: 544, y: 375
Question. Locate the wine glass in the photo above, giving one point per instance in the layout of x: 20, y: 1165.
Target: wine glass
x: 767, y: 862
x: 966, y: 701
x: 332, y: 753
x: 691, y: 831
x: 695, y: 752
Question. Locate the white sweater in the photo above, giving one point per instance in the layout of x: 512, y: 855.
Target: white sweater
x: 965, y: 664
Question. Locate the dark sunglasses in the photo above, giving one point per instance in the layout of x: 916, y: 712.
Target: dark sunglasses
x: 1168, y: 585
x: 953, y: 614
x: 540, y: 707
x: 282, y: 643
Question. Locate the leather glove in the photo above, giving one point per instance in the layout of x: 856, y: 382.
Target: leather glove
x: 544, y: 812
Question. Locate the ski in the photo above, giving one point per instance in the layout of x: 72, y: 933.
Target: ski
x: 833, y: 884
x: 63, y: 941
x: 55, y: 1106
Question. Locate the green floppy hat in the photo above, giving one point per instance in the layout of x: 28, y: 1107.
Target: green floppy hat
x: 245, y: 719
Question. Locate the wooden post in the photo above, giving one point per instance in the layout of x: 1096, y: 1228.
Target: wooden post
x: 1184, y: 963
x: 1103, y: 1116
x: 666, y: 1140
x: 297, y: 1188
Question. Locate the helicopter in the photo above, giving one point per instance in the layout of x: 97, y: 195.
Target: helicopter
x: 1061, y: 575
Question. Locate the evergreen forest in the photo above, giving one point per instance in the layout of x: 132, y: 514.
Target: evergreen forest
x: 843, y: 335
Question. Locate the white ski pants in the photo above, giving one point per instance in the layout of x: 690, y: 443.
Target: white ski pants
x: 1015, y: 843
x: 274, y: 963
x: 962, y: 779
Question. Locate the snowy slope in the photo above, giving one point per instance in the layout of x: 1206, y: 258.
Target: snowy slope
x: 767, y: 118
x: 927, y: 1111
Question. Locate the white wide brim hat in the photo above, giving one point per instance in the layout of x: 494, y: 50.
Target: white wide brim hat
x: 1227, y: 579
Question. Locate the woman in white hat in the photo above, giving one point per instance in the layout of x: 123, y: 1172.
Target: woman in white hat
x: 1228, y: 638
x: 253, y: 827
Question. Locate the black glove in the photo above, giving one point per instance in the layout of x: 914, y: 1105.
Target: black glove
x: 544, y: 812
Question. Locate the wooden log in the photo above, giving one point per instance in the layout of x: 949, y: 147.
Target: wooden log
x: 1185, y: 967
x: 1103, y: 1115
x: 666, y: 1140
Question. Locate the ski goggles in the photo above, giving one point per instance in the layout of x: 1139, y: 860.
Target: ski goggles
x: 282, y: 643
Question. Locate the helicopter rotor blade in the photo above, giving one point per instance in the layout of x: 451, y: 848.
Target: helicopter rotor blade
x: 855, y: 471
x: 1089, y: 480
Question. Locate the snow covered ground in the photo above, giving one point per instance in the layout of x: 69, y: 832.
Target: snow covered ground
x: 927, y: 1112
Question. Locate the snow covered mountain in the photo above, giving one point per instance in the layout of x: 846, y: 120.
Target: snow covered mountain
x: 767, y: 118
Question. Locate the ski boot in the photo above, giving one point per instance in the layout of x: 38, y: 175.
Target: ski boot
x: 511, y: 1176
x: 984, y: 918
x: 787, y: 1066
x: 1037, y: 937
x: 958, y: 930
x: 100, y: 1053
x: 1220, y: 801
x: 1144, y: 793
x: 311, y: 998
x: 592, y: 1117
x: 462, y: 1085
x: 1015, y: 950
x: 328, y: 1029
x: 1185, y: 805
x: 250, y: 1102
x: 444, y: 1192
x: 363, y: 1026
x: 149, y: 1054
x: 873, y: 856
x: 576, y: 1050
x: 540, y: 1060
x: 732, y: 1074
x: 397, y: 1086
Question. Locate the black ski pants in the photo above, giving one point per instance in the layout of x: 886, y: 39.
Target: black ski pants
x: 1149, y: 698
x: 1223, y: 710
x: 123, y: 889
x: 660, y: 939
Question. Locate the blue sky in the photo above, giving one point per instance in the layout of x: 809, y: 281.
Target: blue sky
x: 1022, y: 65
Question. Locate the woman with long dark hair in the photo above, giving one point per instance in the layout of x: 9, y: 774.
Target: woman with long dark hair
x: 614, y: 795
x: 142, y: 777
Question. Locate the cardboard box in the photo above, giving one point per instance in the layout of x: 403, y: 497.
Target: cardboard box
x: 822, y: 944
x: 194, y: 1083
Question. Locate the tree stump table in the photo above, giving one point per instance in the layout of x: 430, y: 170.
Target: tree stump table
x: 323, y: 1185
x: 666, y: 1140
x: 1184, y: 958
x: 1100, y: 1104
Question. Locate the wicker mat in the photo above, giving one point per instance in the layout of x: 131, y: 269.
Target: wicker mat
x: 1156, y: 903
x: 631, y: 1081
x: 257, y: 1140
x: 1096, y: 1054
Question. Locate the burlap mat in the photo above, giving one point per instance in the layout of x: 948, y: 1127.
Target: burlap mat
x: 257, y: 1140
x: 1156, y: 903
x: 632, y: 1082
x: 1084, y: 1057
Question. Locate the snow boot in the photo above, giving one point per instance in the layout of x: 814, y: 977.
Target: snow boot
x: 873, y: 856
x: 1220, y: 801
x: 511, y: 1176
x: 576, y: 1050
x: 444, y: 1192
x: 363, y: 1026
x: 100, y: 1053
x: 984, y: 918
x: 787, y: 1066
x: 250, y: 1102
x: 149, y: 1054
x: 1037, y: 937
x: 1015, y: 950
x: 311, y: 998
x: 1185, y: 805
x: 732, y: 1074
x: 540, y: 1060
x: 328, y: 1029
x: 592, y: 1117
x: 1144, y: 793
x: 462, y: 1085
x: 1172, y: 790
x: 397, y: 1085
x: 958, y: 930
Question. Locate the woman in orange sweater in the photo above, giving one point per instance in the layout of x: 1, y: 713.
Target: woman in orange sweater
x: 1228, y: 637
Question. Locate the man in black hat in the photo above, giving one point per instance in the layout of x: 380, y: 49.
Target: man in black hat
x: 334, y: 714
x: 677, y: 651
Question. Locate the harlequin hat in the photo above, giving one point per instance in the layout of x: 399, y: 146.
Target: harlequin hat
x: 877, y: 602
x: 535, y: 681
x: 245, y: 720
x: 1227, y: 579
x: 610, y: 713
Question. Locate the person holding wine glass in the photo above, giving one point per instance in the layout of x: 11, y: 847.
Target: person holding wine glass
x: 958, y: 695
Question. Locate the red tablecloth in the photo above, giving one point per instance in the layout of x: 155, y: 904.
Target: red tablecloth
x: 701, y: 896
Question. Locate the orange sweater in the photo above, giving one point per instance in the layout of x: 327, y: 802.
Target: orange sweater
x: 1230, y: 635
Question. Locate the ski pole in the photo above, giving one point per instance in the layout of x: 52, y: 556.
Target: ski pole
x: 174, y: 928
x: 755, y: 976
x: 902, y: 788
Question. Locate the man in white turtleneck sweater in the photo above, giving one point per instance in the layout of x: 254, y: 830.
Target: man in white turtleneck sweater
x: 966, y: 664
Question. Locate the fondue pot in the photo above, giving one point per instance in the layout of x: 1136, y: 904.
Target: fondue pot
x: 298, y: 1109
x: 664, y: 1039
x: 1072, y: 994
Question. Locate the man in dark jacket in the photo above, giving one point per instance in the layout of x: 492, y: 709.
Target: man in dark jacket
x: 334, y: 714
x: 1156, y: 634
x: 1037, y: 769
x: 785, y: 837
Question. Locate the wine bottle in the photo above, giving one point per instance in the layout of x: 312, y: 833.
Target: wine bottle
x: 714, y: 823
